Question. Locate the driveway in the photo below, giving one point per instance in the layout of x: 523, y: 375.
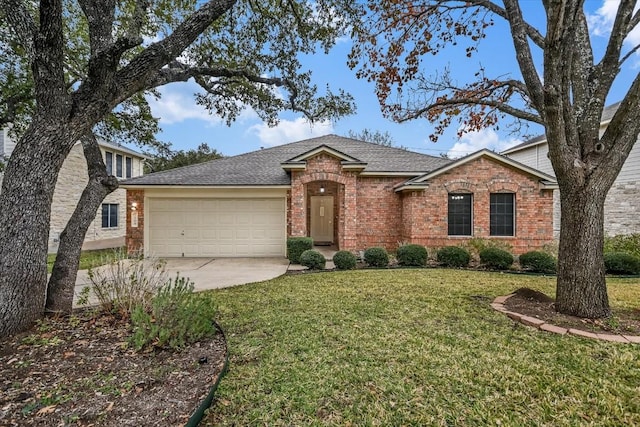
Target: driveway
x: 215, y: 273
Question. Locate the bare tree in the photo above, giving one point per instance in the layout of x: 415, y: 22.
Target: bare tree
x: 566, y: 94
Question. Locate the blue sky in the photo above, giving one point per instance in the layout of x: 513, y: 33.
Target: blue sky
x: 185, y: 125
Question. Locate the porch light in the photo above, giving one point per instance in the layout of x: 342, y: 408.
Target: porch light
x: 322, y: 189
x: 134, y: 206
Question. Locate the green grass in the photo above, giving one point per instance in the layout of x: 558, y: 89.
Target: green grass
x: 413, y: 347
x: 89, y: 259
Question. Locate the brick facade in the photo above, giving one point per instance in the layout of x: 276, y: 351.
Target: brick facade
x: 368, y: 212
x: 425, y: 212
x: 135, y: 235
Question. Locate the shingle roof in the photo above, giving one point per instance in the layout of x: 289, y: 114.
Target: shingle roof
x: 115, y: 146
x: 607, y: 114
x: 264, y: 167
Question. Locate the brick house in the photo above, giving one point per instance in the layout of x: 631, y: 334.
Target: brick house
x: 622, y: 206
x: 108, y: 228
x: 341, y: 192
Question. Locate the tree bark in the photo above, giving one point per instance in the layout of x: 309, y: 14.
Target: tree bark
x: 27, y: 191
x: 62, y: 282
x: 581, y: 287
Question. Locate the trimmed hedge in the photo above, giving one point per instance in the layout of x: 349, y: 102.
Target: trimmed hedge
x: 538, y: 262
x: 296, y: 246
x: 629, y: 243
x: 312, y: 259
x: 376, y: 257
x: 621, y: 263
x: 344, y: 260
x: 496, y: 258
x: 412, y: 255
x: 453, y: 256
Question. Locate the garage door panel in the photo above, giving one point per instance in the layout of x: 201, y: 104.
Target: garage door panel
x: 224, y: 218
x: 217, y: 227
x: 168, y: 219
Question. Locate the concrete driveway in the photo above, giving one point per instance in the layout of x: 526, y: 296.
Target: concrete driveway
x: 214, y: 273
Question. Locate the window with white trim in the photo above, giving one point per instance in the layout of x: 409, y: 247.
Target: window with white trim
x: 109, y: 215
x: 129, y: 167
x: 119, y: 165
x: 108, y: 160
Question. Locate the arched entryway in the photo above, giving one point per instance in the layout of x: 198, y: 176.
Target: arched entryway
x: 324, y: 207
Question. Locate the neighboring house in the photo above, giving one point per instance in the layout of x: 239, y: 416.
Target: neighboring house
x: 347, y: 193
x: 6, y: 144
x: 109, y: 227
x: 622, y: 206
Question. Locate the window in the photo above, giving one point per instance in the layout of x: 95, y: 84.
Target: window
x: 460, y: 212
x: 129, y: 164
x: 119, y: 165
x: 502, y: 214
x: 108, y: 159
x: 109, y: 215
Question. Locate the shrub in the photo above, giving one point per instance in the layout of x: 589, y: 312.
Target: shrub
x: 296, y: 246
x: 176, y: 319
x: 344, y: 260
x: 412, y: 255
x: 453, y: 256
x: 621, y: 263
x: 538, y: 262
x: 476, y: 245
x: 496, y: 258
x: 629, y: 243
x: 312, y: 259
x: 376, y: 257
x: 123, y: 284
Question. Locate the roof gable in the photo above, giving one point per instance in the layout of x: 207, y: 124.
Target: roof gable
x: 299, y: 162
x: 270, y: 166
x: 421, y: 181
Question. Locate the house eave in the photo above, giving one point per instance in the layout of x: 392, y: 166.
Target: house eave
x: 213, y: 187
x: 387, y: 173
x: 403, y: 188
x: 294, y: 165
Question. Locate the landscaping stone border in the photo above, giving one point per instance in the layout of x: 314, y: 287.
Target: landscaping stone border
x: 498, y: 305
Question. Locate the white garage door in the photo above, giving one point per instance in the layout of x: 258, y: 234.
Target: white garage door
x: 216, y: 227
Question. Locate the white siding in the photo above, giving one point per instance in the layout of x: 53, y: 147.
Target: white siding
x: 72, y: 179
x: 622, y: 207
x: 630, y: 171
x: 7, y: 144
x: 535, y: 157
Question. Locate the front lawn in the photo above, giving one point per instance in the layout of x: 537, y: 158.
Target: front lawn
x: 413, y: 347
x: 91, y: 259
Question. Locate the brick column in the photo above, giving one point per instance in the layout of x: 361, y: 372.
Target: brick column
x: 135, y: 234
x: 297, y: 207
x: 349, y: 237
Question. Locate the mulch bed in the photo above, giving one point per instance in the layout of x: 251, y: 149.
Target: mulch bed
x: 80, y: 371
x: 536, y: 304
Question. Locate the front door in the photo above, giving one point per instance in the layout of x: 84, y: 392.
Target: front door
x: 322, y: 219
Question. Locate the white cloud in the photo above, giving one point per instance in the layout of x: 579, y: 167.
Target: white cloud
x: 289, y: 131
x: 473, y: 141
x: 178, y: 104
x: 601, y: 22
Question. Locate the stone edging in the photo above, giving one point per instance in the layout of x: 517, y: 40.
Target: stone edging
x: 498, y: 305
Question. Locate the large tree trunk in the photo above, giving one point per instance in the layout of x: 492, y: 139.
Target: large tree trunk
x: 581, y: 288
x: 62, y: 282
x: 27, y: 191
